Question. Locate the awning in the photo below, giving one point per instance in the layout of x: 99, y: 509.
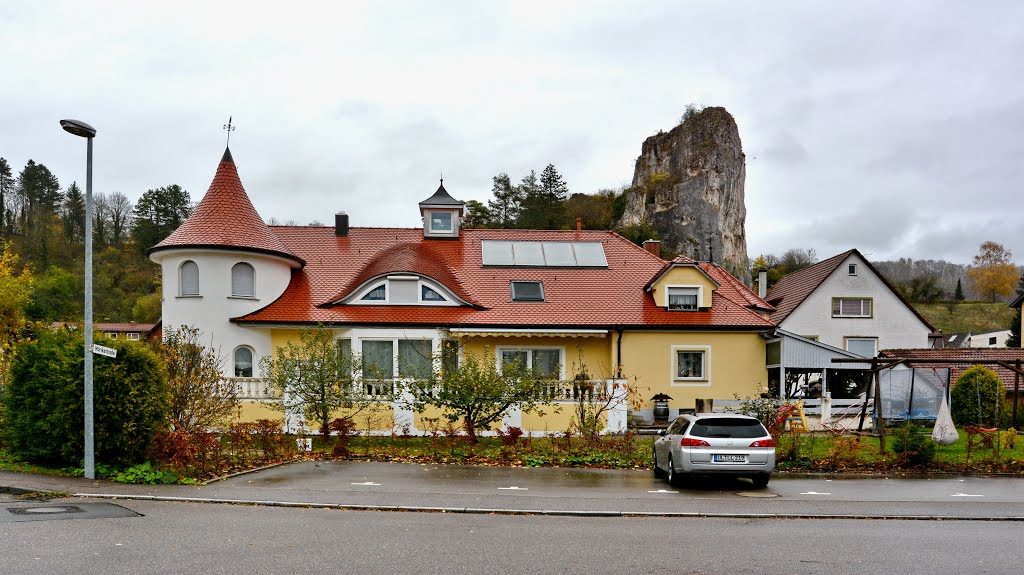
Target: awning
x: 525, y: 332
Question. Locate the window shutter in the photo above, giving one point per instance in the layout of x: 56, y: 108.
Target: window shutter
x: 242, y: 280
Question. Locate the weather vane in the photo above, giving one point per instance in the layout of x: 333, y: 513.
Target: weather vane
x: 229, y: 128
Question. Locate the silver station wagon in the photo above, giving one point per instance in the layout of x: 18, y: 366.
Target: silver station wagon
x: 715, y: 444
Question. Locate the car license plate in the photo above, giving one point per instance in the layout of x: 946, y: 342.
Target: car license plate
x: 728, y: 458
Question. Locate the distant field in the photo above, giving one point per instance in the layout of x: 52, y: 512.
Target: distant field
x: 972, y: 317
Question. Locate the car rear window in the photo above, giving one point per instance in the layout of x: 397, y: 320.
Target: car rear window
x: 727, y: 427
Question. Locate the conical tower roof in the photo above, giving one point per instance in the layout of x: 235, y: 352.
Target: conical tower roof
x: 441, y: 199
x: 226, y: 219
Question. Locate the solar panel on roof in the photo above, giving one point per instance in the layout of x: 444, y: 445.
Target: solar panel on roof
x: 543, y: 254
x: 589, y: 254
x: 559, y: 254
x: 497, y: 253
x: 527, y: 254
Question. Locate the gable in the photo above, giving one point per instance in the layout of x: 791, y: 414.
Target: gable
x: 683, y: 276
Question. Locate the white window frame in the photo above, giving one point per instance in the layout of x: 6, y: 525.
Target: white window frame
x: 700, y: 295
x: 871, y: 307
x: 111, y: 334
x: 848, y: 339
x: 430, y: 222
x: 232, y: 279
x: 373, y: 286
x: 704, y: 381
x: 449, y: 298
x: 234, y: 361
x: 529, y: 356
x: 181, y: 280
x: 133, y: 336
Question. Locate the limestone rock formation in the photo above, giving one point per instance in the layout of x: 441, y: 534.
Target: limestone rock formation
x: 688, y: 185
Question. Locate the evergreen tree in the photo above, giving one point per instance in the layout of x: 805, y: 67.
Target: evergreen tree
x: 1014, y: 339
x: 158, y: 213
x: 73, y: 214
x: 507, y: 203
x: 39, y: 192
x: 958, y: 295
x: 531, y: 214
x: 477, y: 215
x: 6, y: 187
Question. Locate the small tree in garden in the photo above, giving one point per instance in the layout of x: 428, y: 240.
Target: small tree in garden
x: 477, y: 393
x: 976, y: 397
x: 315, y: 376
x: 593, y: 400
x: 200, y: 397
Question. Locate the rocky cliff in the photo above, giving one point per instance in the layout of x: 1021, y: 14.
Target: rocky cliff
x: 688, y: 184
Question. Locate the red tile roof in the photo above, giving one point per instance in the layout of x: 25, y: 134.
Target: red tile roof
x: 791, y: 291
x: 226, y: 219
x: 612, y: 296
x: 1008, y: 355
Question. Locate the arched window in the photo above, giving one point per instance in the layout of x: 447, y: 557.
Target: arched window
x: 243, y: 282
x: 188, y: 279
x: 243, y: 362
x: 376, y: 294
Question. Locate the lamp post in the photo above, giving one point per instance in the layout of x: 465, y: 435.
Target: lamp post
x: 88, y: 132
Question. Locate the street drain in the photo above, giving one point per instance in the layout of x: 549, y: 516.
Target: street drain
x: 52, y: 509
x: 755, y: 494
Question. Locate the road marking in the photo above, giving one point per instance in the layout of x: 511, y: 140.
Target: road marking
x: 814, y: 493
x: 965, y: 495
x: 662, y: 491
x: 514, y: 488
x: 366, y: 483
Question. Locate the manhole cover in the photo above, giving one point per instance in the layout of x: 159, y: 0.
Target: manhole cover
x: 52, y: 509
x: 755, y: 494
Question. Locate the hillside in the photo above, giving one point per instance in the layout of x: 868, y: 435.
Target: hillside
x: 974, y: 317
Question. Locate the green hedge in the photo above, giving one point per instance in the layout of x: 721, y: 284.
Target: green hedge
x: 44, y: 402
x: 977, y: 397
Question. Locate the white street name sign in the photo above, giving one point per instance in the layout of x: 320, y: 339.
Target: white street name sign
x: 103, y: 350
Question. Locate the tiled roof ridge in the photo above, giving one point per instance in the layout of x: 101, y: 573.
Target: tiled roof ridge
x: 829, y: 264
x: 225, y: 217
x: 751, y: 298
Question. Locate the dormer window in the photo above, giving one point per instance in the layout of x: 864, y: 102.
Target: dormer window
x: 428, y: 294
x: 378, y: 293
x: 684, y: 298
x: 527, y: 291
x: 440, y: 222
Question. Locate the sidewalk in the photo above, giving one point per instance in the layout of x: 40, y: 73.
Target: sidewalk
x: 557, y: 491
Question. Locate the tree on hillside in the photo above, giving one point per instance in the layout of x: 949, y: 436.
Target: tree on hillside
x: 992, y: 273
x: 73, y: 214
x: 112, y: 216
x: 507, y: 202
x: 958, y: 295
x: 6, y: 189
x: 543, y: 200
x: 15, y: 293
x: 595, y: 211
x: 39, y: 192
x: 158, y: 213
x: 1014, y: 339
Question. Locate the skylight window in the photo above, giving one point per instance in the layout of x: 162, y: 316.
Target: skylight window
x: 543, y: 254
x: 527, y: 291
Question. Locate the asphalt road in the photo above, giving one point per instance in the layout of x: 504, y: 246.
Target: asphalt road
x: 215, y: 539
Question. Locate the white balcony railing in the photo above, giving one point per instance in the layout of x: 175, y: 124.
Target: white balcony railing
x: 253, y: 387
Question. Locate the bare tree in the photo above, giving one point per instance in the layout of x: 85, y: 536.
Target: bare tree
x: 200, y: 397
x: 120, y: 218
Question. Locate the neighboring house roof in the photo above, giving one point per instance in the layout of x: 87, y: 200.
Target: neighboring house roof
x: 954, y: 340
x: 791, y: 291
x: 1008, y: 355
x: 606, y: 297
x: 123, y: 327
x: 1017, y: 302
x: 226, y: 219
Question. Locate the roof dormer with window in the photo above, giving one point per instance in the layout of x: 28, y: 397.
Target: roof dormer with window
x: 442, y: 215
x: 682, y: 286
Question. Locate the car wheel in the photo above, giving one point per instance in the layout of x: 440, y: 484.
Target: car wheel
x: 658, y: 472
x: 761, y: 480
x: 674, y: 479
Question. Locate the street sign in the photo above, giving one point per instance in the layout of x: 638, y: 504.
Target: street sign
x: 103, y: 350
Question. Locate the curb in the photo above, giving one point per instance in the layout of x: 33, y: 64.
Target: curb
x: 540, y: 512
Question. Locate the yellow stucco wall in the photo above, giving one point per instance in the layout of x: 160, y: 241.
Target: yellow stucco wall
x: 736, y: 365
x: 683, y: 276
x: 253, y: 410
x: 591, y: 353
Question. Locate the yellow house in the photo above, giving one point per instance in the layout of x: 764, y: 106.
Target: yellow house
x: 596, y: 314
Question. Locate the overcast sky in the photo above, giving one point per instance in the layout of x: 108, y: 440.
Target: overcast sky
x: 893, y: 127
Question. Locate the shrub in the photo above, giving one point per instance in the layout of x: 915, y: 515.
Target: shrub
x: 913, y: 446
x: 192, y: 454
x: 44, y: 401
x: 976, y: 397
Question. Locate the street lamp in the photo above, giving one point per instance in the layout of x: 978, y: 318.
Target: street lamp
x: 88, y: 132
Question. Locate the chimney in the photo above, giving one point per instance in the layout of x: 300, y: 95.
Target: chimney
x: 762, y: 283
x: 653, y: 246
x: 579, y: 225
x: 341, y: 224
